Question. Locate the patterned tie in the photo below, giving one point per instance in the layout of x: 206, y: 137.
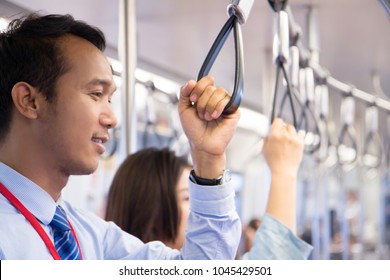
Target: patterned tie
x: 64, y: 240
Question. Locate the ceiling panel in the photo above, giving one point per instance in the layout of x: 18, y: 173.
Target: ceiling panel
x: 174, y: 36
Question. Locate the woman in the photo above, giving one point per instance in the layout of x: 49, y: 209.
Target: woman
x: 149, y: 196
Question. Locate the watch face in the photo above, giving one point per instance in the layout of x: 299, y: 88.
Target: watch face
x: 226, y: 177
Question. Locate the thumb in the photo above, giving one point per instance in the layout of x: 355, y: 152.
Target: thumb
x: 185, y: 92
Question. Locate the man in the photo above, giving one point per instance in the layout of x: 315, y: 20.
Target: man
x: 55, y: 91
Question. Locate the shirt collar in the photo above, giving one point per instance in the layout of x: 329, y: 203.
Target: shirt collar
x: 33, y: 197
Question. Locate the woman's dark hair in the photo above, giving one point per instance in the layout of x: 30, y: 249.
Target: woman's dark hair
x: 142, y: 199
x: 29, y: 52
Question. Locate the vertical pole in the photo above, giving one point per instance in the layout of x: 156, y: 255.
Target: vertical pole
x: 128, y: 57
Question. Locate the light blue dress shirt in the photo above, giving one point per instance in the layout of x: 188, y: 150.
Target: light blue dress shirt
x: 285, y: 244
x: 214, y: 227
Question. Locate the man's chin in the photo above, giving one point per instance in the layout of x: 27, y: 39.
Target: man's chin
x: 86, y: 169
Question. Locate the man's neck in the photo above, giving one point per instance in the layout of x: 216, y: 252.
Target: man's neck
x: 43, y: 176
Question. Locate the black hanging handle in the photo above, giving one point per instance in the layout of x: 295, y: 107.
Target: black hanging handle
x: 231, y: 23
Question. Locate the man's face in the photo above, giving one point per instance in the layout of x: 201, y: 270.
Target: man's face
x: 77, y: 122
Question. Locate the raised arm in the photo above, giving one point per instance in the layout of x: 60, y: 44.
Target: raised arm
x: 208, y: 131
x: 283, y: 150
x: 276, y: 237
x: 214, y: 227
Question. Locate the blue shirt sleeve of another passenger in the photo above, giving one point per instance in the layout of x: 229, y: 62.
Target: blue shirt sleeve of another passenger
x: 274, y: 241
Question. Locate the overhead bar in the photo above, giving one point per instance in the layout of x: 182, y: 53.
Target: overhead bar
x: 322, y: 74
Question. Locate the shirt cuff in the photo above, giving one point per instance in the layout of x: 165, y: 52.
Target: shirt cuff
x: 273, y: 240
x: 212, y: 200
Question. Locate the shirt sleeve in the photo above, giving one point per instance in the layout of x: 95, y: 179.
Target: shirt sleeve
x: 274, y: 241
x: 213, y: 231
x: 214, y: 228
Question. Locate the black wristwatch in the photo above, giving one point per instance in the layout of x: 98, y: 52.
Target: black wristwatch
x: 224, y: 178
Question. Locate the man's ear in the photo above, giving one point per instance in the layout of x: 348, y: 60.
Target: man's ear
x: 26, y: 99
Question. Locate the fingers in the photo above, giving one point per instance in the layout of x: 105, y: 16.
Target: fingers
x: 211, y: 103
x: 209, y: 100
x: 186, y: 90
x: 280, y: 129
x: 277, y: 125
x: 200, y: 87
x: 283, y: 148
x: 290, y: 128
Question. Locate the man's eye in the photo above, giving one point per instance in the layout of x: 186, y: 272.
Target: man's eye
x: 97, y: 94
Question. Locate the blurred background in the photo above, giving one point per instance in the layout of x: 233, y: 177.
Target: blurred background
x: 340, y: 89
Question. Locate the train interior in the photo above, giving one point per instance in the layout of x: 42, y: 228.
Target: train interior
x: 336, y: 89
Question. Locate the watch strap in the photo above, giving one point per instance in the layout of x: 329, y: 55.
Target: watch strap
x: 205, y: 182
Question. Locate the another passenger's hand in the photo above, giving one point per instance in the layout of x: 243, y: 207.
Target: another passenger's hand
x: 283, y: 149
x: 209, y: 132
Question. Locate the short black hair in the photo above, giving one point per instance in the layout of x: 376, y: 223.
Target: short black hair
x: 29, y: 52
